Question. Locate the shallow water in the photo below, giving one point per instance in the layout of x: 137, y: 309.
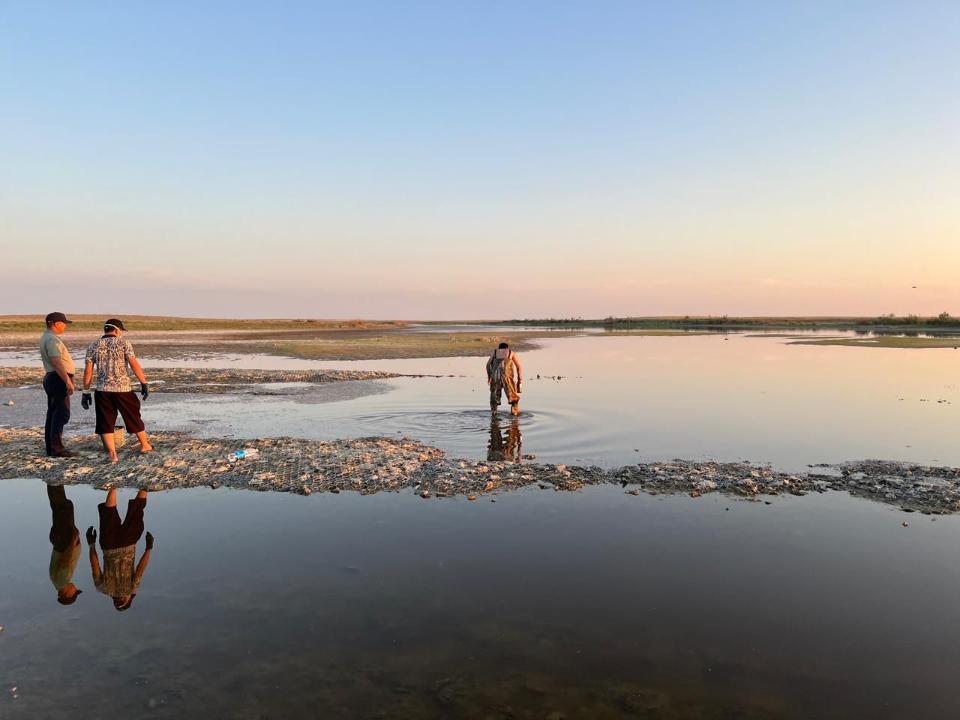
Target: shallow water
x: 588, y: 604
x: 625, y: 399
x: 622, y: 399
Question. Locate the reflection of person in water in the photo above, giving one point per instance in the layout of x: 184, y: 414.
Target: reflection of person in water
x: 65, y: 539
x: 504, y: 448
x: 119, y: 578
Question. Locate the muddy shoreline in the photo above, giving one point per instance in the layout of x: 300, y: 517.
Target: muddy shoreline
x: 379, y: 464
x: 211, y: 380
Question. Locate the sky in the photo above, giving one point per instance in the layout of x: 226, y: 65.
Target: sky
x: 453, y: 160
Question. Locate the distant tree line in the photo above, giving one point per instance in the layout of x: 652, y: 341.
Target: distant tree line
x: 943, y: 320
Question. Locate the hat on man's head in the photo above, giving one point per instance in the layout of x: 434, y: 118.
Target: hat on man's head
x: 57, y: 317
x: 114, y: 323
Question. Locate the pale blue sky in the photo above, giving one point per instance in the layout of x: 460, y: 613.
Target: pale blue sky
x: 464, y: 160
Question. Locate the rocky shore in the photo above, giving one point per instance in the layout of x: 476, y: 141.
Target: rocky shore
x: 211, y: 380
x: 379, y: 464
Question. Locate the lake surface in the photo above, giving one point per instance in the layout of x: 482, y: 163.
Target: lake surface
x: 541, y: 605
x: 625, y: 399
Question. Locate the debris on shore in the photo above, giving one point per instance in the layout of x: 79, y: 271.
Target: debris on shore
x: 380, y: 464
x: 213, y: 380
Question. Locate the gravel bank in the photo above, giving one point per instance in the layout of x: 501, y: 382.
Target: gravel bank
x: 377, y: 464
x: 210, y: 380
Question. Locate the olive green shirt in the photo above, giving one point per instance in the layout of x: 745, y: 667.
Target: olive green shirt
x: 51, y: 346
x: 62, y: 564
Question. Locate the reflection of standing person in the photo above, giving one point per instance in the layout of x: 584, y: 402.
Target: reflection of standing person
x: 57, y: 383
x: 110, y: 356
x: 65, y: 539
x: 120, y: 577
x: 504, y: 375
x: 509, y: 448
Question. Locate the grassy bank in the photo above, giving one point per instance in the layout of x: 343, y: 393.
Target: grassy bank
x: 883, y: 323
x: 391, y: 346
x: 885, y: 341
x: 156, y: 323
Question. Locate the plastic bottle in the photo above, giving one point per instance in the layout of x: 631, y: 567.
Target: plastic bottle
x: 245, y: 454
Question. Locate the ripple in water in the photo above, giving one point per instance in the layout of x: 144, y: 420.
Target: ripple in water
x: 551, y: 436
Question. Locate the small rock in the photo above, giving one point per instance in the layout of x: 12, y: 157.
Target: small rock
x: 9, y: 403
x: 471, y: 498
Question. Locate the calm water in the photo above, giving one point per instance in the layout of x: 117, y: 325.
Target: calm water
x: 593, y: 604
x: 587, y: 604
x: 623, y: 399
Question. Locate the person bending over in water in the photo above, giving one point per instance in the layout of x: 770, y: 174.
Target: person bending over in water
x: 65, y: 539
x: 120, y: 577
x: 504, y: 375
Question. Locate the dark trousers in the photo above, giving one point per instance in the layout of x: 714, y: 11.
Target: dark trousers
x: 64, y: 527
x: 58, y: 411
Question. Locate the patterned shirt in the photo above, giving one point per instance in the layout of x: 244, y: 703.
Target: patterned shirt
x: 110, y: 355
x: 119, y: 576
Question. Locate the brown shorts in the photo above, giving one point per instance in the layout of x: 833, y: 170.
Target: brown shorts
x: 108, y: 404
x: 115, y: 534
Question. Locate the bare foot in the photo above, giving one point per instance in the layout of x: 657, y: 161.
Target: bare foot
x: 114, y: 459
x: 515, y: 410
x: 145, y: 449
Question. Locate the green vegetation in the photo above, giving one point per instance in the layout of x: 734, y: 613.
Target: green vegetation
x: 943, y: 321
x: 389, y: 346
x: 885, y: 341
x: 151, y: 323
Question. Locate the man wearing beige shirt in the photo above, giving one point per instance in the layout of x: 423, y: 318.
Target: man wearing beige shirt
x: 65, y: 539
x: 57, y: 383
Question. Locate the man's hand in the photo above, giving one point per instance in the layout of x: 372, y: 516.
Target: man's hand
x: 86, y: 400
x: 91, y: 535
x: 144, y: 390
x: 519, y: 386
x: 70, y: 386
x: 149, y: 540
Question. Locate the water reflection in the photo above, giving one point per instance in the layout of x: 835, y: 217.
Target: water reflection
x: 65, y: 539
x: 120, y: 576
x: 592, y: 617
x: 505, y: 445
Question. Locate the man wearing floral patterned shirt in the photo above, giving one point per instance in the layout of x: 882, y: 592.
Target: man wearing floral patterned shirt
x: 109, y: 356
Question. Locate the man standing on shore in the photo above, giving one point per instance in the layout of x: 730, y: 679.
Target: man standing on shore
x: 65, y: 539
x: 110, y: 355
x: 57, y: 383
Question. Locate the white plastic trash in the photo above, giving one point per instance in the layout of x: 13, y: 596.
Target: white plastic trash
x: 245, y: 454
